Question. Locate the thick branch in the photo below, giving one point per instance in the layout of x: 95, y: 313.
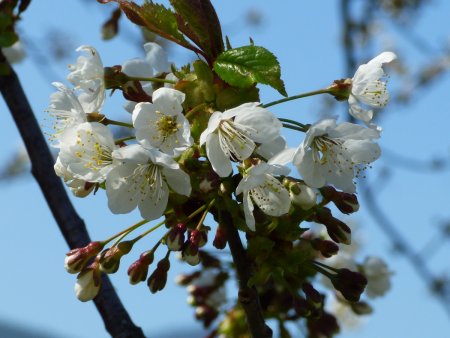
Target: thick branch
x: 116, y: 319
x: 248, y: 297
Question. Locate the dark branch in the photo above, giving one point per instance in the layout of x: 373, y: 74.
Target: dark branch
x: 117, y: 321
x: 248, y: 296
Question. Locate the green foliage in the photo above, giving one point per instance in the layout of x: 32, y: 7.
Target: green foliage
x: 244, y: 66
x: 198, y: 20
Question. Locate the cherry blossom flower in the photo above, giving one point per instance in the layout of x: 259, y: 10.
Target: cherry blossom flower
x: 234, y: 134
x: 334, y: 154
x: 161, y: 124
x: 368, y: 87
x: 88, y: 75
x: 86, y: 151
x: 378, y: 276
x: 142, y: 180
x: 156, y: 61
x: 88, y: 284
x: 259, y: 186
x: 67, y: 112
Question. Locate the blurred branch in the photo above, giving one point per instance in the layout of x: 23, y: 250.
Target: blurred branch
x: 413, y: 164
x: 115, y: 317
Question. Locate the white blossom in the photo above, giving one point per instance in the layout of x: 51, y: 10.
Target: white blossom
x: 161, y: 124
x: 378, y: 276
x: 86, y: 151
x: 368, y: 87
x: 142, y: 180
x: 79, y: 188
x: 259, y: 186
x: 88, y: 75
x: 334, y: 154
x: 66, y: 110
x: 87, y: 285
x: 234, y: 134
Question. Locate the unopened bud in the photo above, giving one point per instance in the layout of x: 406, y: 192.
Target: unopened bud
x: 220, y: 240
x: 313, y: 296
x: 158, y: 279
x: 326, y: 248
x: 175, y: 237
x: 76, y: 259
x: 351, y: 284
x: 206, y: 314
x: 337, y: 230
x: 111, y: 27
x: 345, y: 202
x: 361, y: 308
x: 191, y: 258
x: 137, y: 272
x: 110, y: 258
x: 88, y: 283
x: 302, y: 195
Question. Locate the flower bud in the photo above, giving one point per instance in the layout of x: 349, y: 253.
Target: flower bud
x: 220, y: 240
x: 324, y: 326
x: 351, y: 284
x: 361, y: 308
x: 302, y: 307
x: 206, y: 314
x: 337, y: 230
x: 326, y: 248
x: 175, y: 237
x: 345, y: 202
x: 76, y: 259
x: 158, y: 279
x: 88, y: 283
x: 110, y: 258
x: 191, y: 258
x: 302, y: 195
x: 138, y: 271
x: 313, y: 297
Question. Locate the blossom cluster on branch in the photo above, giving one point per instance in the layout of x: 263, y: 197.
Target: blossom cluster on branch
x: 201, y: 142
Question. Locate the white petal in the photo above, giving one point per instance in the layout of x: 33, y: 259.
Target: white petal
x: 132, y: 153
x: 137, y: 68
x: 262, y: 125
x: 213, y: 123
x: 310, y: 171
x: 270, y: 149
x: 272, y: 198
x: 219, y: 161
x: 283, y: 157
x: 168, y: 101
x: 123, y: 197
x: 178, y: 180
x: 248, y: 212
x: 154, y: 205
x: 363, y: 151
x: 157, y: 57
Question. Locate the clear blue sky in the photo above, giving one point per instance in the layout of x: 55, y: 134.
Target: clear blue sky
x: 35, y: 289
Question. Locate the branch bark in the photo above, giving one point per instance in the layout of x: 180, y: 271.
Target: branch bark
x: 115, y: 317
x: 248, y: 297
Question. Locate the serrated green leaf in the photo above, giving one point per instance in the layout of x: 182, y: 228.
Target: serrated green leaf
x: 244, y: 66
x: 198, y: 20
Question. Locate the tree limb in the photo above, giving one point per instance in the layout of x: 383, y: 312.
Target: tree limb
x: 115, y: 317
x: 248, y: 297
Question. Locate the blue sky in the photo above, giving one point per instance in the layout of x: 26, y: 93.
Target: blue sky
x: 35, y: 289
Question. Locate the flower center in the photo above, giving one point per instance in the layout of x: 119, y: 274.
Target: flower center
x: 326, y: 149
x: 94, y: 154
x: 167, y: 125
x: 235, y: 141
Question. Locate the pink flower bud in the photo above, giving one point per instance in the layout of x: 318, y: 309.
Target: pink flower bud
x: 110, y: 258
x: 77, y: 258
x: 220, y: 240
x: 345, y: 202
x: 351, y: 284
x: 158, y: 279
x: 88, y: 283
x: 175, y: 237
x: 137, y: 272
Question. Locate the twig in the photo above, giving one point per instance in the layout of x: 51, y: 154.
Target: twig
x: 248, y: 296
x: 115, y: 317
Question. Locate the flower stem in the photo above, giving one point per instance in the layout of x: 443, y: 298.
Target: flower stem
x: 195, y: 109
x: 117, y: 123
x: 151, y: 79
x: 295, y: 97
x: 126, y: 231
x: 205, y: 213
x: 294, y: 127
x: 148, y: 231
x: 123, y: 139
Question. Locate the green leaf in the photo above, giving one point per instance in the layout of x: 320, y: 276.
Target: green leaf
x: 244, y: 66
x: 198, y: 20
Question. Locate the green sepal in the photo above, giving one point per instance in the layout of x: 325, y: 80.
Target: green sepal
x: 244, y: 66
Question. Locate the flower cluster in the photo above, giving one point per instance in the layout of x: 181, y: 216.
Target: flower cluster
x: 195, y: 146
